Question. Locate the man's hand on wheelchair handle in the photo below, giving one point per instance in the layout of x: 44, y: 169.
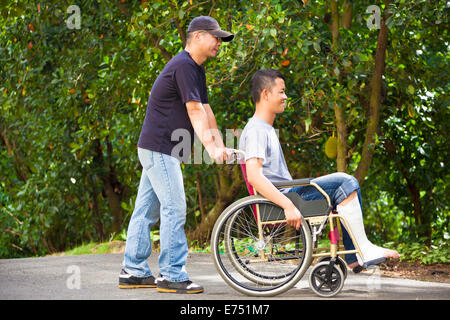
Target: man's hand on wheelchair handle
x: 293, y: 216
x: 221, y: 154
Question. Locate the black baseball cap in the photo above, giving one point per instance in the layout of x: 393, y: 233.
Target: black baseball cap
x: 209, y: 25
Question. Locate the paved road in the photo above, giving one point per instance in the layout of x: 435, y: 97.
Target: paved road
x: 55, y: 278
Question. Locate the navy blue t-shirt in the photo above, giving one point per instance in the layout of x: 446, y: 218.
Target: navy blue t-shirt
x: 181, y: 80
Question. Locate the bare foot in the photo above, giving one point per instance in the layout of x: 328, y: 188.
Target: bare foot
x: 388, y: 253
x: 391, y: 254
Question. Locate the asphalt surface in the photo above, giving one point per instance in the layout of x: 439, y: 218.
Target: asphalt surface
x: 95, y: 277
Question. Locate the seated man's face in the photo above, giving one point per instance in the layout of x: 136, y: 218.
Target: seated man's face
x: 277, y: 96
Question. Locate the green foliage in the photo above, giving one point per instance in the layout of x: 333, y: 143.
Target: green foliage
x: 72, y: 102
x: 438, y: 252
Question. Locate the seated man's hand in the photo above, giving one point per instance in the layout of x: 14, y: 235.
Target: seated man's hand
x: 293, y: 216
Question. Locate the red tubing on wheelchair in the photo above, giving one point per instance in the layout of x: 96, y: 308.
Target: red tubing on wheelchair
x: 334, y: 236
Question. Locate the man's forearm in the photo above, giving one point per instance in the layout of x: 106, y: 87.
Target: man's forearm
x: 215, y: 132
x: 200, y: 123
x: 213, y: 126
x: 264, y: 187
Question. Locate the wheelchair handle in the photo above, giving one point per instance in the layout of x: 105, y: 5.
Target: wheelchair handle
x: 237, y: 153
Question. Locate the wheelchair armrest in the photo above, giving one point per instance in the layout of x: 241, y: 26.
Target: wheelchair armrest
x: 302, y: 182
x: 292, y: 183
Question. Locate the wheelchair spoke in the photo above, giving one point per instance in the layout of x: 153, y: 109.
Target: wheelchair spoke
x: 261, y: 262
x: 321, y: 284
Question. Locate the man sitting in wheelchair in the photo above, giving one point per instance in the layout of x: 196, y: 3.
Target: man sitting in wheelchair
x: 265, y: 164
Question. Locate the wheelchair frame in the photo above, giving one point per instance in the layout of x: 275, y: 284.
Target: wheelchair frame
x: 316, y: 222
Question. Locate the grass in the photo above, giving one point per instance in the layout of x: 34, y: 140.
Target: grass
x: 114, y: 246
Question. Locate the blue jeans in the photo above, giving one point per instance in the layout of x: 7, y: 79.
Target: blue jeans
x: 160, y: 196
x: 338, y: 186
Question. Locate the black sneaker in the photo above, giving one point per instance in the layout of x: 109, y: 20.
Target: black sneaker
x: 127, y: 280
x: 178, y: 287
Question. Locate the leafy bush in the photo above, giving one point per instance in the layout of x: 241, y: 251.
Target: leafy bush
x: 438, y: 252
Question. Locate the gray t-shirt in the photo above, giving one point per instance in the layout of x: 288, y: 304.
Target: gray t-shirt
x: 259, y: 140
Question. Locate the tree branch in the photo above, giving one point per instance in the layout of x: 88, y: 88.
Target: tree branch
x: 180, y: 28
x: 347, y: 14
x: 374, y: 101
x: 166, y: 55
x: 339, y: 111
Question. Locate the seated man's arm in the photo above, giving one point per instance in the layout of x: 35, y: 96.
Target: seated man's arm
x: 264, y: 187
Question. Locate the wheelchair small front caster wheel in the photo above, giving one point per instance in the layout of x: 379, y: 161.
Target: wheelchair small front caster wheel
x: 325, y: 282
x: 340, y: 262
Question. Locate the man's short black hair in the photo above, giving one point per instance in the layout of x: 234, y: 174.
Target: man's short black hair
x: 263, y: 79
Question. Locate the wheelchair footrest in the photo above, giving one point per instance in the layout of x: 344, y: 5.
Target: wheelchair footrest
x: 373, y: 262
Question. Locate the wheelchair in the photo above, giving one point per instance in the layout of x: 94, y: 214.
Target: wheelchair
x: 258, y: 254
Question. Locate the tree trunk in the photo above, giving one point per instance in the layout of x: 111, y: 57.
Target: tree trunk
x: 95, y: 209
x: 334, y: 24
x: 21, y: 169
x: 200, y: 197
x: 114, y: 206
x: 229, y: 185
x: 347, y: 15
x: 424, y: 226
x: 339, y: 111
x: 374, y: 102
x: 112, y: 189
x: 342, y: 146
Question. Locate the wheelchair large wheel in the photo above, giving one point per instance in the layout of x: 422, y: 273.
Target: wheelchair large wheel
x: 259, y: 260
x: 278, y: 245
